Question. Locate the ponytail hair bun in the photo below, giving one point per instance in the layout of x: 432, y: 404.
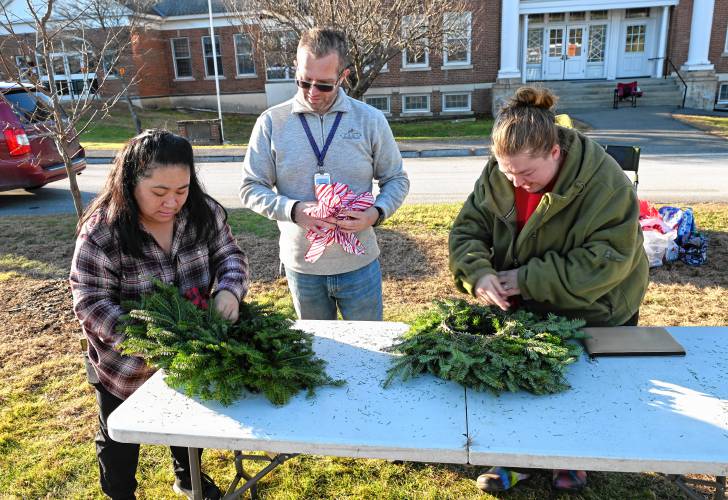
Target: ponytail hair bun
x: 526, y: 124
x: 534, y: 97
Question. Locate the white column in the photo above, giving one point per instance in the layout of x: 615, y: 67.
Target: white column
x: 524, y: 52
x: 509, y: 40
x: 662, y: 43
x: 700, y: 28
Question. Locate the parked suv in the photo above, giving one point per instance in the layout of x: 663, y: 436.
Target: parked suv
x: 28, y: 156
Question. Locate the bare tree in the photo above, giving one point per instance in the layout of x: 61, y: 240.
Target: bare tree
x: 41, y: 37
x: 111, y: 25
x: 376, y: 30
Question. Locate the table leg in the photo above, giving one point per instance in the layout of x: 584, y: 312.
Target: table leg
x: 251, y: 481
x: 195, y: 479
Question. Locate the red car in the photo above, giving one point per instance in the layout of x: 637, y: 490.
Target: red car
x: 28, y: 156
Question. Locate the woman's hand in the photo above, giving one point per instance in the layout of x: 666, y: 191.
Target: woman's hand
x: 509, y: 282
x: 490, y: 291
x: 227, y: 305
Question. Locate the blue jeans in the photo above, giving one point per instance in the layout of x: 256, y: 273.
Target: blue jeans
x: 357, y: 294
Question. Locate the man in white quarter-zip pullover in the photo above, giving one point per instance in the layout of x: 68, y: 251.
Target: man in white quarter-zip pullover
x: 322, y: 135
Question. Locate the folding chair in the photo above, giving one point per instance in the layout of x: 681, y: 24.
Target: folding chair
x: 628, y: 157
x: 624, y: 91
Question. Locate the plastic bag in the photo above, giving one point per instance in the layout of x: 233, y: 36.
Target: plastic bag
x: 656, y: 246
x: 694, y: 251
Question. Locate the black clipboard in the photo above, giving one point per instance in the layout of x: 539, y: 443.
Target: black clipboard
x: 631, y: 341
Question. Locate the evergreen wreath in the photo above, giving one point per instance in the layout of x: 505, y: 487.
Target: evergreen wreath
x: 484, y: 348
x: 207, y: 356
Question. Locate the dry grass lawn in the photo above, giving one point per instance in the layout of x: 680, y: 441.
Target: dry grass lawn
x: 717, y: 125
x: 43, y: 391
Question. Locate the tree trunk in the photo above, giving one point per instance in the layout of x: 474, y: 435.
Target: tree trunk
x: 75, y: 192
x: 132, y: 112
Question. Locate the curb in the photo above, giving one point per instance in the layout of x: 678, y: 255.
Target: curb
x: 425, y: 153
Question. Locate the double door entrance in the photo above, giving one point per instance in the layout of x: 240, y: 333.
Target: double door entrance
x: 573, y: 51
x: 565, y: 57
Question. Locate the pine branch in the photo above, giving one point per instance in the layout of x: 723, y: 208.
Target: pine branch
x: 206, y: 356
x: 488, y: 349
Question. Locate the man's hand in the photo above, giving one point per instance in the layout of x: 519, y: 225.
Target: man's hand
x: 509, y: 282
x: 358, y: 220
x: 227, y: 305
x: 319, y: 226
x: 489, y: 290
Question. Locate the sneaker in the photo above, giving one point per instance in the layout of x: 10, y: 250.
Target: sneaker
x: 569, y: 480
x: 499, y: 479
x: 210, y: 491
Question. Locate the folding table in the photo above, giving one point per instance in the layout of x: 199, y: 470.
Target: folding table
x: 630, y: 414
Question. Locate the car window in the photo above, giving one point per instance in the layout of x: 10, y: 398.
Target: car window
x: 31, y: 107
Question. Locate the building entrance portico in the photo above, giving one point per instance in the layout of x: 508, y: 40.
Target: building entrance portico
x: 594, y: 44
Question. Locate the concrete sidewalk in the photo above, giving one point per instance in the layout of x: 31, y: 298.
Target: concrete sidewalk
x: 409, y: 149
x: 653, y: 129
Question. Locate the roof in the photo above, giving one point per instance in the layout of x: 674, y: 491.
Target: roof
x: 169, y: 8
x: 5, y: 86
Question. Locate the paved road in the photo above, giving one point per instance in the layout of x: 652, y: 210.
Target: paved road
x: 665, y: 179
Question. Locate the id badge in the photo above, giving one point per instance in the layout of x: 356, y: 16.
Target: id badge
x: 321, y: 178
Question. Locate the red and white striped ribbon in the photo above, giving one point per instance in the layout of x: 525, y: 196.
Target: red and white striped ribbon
x: 332, y: 200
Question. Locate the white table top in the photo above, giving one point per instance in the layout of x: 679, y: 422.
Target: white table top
x: 661, y: 414
x: 630, y: 414
x: 420, y: 420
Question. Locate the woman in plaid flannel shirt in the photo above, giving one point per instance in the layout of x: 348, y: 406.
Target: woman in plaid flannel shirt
x: 152, y: 219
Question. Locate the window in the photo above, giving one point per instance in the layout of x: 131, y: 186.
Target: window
x: 111, y: 64
x: 456, y: 102
x: 535, y: 18
x: 637, y: 13
x: 576, y: 37
x: 32, y: 107
x: 557, y: 17
x: 598, y: 15
x: 380, y: 102
x: 577, y: 16
x: 417, y: 55
x: 635, y: 38
x: 181, y: 58
x: 207, y: 53
x: 244, y: 55
x: 457, y: 38
x: 59, y: 65
x: 280, y: 55
x: 416, y: 103
x: 556, y: 42
x: 597, y: 39
x: 25, y: 65
x: 534, y: 46
x: 723, y: 93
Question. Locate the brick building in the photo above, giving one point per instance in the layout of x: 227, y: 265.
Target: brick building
x: 510, y: 42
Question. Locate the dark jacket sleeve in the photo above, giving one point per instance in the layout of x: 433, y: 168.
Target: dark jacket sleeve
x: 229, y: 263
x: 471, y: 240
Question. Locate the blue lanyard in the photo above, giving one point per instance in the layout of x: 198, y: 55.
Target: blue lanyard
x: 320, y: 155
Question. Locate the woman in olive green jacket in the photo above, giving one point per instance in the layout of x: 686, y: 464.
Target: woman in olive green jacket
x: 580, y: 253
x: 552, y: 225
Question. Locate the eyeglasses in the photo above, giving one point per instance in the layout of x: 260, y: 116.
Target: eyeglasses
x: 321, y: 87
